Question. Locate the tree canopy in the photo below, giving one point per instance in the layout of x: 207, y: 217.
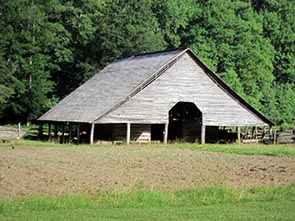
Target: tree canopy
x: 48, y: 48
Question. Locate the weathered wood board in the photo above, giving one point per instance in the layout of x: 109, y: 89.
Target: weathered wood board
x: 185, y: 81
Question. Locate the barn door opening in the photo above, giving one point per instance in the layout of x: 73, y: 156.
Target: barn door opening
x: 157, y: 132
x: 184, y: 122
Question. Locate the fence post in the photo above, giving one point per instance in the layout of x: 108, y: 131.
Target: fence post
x: 18, y: 130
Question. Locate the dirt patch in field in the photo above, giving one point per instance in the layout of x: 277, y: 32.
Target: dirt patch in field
x: 69, y: 170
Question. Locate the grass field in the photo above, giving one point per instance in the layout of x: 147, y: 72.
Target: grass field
x: 211, y: 203
x: 41, y: 181
x: 248, y: 149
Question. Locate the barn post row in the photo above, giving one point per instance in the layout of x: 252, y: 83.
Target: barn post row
x: 155, y: 97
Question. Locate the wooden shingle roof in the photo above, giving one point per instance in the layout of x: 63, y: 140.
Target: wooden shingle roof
x: 123, y: 79
x: 101, y: 92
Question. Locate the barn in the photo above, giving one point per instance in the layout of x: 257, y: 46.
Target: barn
x: 161, y: 96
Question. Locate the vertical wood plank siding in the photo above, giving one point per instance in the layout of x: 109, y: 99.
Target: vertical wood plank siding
x: 184, y: 81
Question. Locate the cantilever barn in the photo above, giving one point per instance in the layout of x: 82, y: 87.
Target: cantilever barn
x: 162, y: 96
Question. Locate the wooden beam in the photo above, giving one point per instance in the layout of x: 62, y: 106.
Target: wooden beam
x: 63, y: 133
x: 166, y: 133
x: 128, y: 133
x: 92, y: 133
x: 203, y: 134
x: 239, y: 134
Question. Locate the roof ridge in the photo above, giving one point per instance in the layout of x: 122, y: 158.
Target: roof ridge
x: 156, y: 52
x: 145, y: 82
x: 148, y: 53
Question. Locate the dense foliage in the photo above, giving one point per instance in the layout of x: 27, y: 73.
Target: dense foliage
x: 48, y: 48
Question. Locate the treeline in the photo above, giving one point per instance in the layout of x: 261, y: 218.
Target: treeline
x: 48, y: 48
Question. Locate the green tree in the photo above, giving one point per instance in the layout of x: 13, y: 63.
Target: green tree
x: 228, y: 36
x: 6, y: 85
x: 77, y: 61
x: 279, y: 27
x: 48, y: 48
x: 126, y: 28
x: 285, y: 98
x: 173, y: 17
x: 29, y: 42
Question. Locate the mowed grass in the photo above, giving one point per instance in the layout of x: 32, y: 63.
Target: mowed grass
x: 247, y: 149
x: 210, y: 203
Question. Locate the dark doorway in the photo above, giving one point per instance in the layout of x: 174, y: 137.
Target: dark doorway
x: 184, y: 122
x: 105, y: 132
x: 157, y: 131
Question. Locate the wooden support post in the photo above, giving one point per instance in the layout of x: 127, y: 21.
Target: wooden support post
x: 166, y: 133
x: 40, y: 134
x: 63, y: 133
x: 49, y: 131
x: 203, y: 134
x: 239, y: 134
x: 55, y: 131
x: 274, y: 136
x: 128, y: 133
x: 270, y: 135
x: 92, y: 133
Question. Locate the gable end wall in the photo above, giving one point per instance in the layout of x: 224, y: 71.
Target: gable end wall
x: 185, y: 81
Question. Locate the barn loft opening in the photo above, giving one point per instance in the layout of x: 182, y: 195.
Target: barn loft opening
x: 185, y: 120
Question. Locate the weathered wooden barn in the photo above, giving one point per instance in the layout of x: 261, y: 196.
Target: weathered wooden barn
x: 169, y: 95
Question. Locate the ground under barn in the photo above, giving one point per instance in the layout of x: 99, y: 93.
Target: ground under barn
x: 70, y: 170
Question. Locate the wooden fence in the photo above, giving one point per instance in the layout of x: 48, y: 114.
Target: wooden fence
x: 285, y: 136
x: 10, y: 132
x: 273, y: 136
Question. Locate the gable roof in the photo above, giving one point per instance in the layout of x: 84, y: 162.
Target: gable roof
x: 121, y: 80
x: 111, y: 85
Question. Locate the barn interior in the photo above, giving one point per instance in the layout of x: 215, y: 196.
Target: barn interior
x: 185, y: 121
x: 184, y: 126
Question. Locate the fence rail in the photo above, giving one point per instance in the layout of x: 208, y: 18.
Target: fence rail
x: 286, y: 136
x: 10, y: 132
